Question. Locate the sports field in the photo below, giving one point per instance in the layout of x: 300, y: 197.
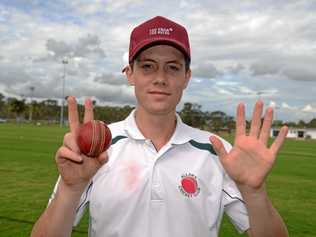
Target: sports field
x: 28, y: 174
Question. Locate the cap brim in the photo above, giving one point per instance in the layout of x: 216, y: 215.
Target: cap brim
x: 151, y: 42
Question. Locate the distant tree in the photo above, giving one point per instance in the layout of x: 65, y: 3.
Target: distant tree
x: 18, y: 107
x: 301, y: 124
x: 291, y: 124
x: 50, y: 102
x: 2, y: 98
x: 192, y: 115
x: 110, y: 114
x: 2, y: 106
x: 230, y: 123
x: 217, y: 120
x: 312, y: 123
x: 277, y: 123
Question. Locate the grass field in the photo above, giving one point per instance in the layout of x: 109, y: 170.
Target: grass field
x: 28, y: 174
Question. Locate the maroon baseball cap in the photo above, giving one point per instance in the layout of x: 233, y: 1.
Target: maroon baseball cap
x: 158, y: 30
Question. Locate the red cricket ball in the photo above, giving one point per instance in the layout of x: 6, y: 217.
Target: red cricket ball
x: 94, y: 138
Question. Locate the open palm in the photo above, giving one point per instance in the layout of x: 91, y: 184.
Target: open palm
x: 250, y: 159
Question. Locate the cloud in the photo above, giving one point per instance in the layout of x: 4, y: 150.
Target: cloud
x: 246, y: 46
x: 293, y: 67
x: 111, y: 79
x: 235, y: 69
x: 120, y: 95
x: 309, y: 109
x: 86, y: 46
x: 285, y: 105
x: 98, y: 6
x: 205, y: 70
x: 11, y: 75
x: 273, y: 104
x: 265, y: 68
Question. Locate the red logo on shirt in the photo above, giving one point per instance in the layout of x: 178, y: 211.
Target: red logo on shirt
x: 189, y: 185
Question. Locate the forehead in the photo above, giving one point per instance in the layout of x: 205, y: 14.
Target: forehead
x: 162, y: 52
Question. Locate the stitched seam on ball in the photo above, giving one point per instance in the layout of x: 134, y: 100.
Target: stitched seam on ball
x: 97, y: 137
x: 102, y: 140
x: 93, y: 139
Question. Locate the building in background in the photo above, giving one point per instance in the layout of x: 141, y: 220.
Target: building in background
x: 297, y: 133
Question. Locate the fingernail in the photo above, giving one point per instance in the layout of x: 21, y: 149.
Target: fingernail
x: 70, y: 98
x: 88, y: 102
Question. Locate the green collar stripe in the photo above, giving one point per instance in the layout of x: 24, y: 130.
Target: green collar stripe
x: 117, y: 138
x: 203, y: 146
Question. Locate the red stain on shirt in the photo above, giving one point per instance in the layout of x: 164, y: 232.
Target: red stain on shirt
x: 132, y: 175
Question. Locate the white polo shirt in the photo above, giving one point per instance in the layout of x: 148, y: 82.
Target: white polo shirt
x: 181, y: 190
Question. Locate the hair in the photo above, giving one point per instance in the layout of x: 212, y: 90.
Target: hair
x: 187, y: 60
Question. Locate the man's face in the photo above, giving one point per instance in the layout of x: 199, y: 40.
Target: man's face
x: 159, y: 77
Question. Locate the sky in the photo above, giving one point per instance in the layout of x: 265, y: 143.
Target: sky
x: 241, y: 51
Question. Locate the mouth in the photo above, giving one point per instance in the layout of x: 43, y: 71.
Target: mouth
x: 159, y: 93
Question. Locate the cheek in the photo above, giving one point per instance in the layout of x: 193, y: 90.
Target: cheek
x: 140, y: 89
x: 179, y: 85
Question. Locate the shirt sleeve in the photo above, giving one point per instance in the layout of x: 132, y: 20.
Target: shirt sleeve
x: 83, y: 203
x: 234, y: 206
x: 232, y: 201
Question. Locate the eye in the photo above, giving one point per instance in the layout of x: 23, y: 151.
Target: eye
x: 174, y: 67
x: 147, y: 66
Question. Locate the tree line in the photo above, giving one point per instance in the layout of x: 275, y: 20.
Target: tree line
x: 48, y: 111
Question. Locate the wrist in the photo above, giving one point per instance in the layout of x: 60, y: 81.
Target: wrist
x: 70, y: 192
x: 249, y: 192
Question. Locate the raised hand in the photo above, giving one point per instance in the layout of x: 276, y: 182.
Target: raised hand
x: 75, y: 168
x: 250, y: 159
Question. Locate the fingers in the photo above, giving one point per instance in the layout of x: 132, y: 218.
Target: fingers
x: 256, y: 119
x: 103, y: 158
x: 73, y: 117
x: 218, y: 146
x: 240, y: 120
x: 67, y: 154
x: 88, y: 110
x: 279, y: 140
x: 71, y: 143
x: 265, y: 130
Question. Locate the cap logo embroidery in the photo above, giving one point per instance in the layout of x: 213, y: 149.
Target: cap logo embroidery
x: 160, y: 31
x: 189, y: 186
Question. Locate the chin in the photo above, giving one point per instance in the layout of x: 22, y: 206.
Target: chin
x: 160, y: 110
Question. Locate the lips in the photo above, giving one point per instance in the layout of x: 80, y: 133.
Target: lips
x: 159, y: 93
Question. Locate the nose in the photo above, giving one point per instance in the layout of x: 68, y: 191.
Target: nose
x: 161, y: 78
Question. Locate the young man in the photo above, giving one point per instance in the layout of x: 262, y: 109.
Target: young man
x: 161, y: 177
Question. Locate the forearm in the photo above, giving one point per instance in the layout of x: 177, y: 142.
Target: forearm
x: 58, y: 218
x: 263, y: 217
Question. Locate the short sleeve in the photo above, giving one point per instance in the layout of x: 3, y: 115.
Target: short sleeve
x: 83, y: 203
x: 234, y: 206
x: 232, y: 201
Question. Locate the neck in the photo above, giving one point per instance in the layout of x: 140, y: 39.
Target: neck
x: 156, y: 127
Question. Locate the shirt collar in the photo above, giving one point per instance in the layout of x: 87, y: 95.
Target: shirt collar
x: 180, y: 135
x: 131, y: 128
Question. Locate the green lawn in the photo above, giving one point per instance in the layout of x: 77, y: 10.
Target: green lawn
x: 28, y: 173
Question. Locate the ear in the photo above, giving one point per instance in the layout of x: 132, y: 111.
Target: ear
x: 188, y: 75
x: 129, y: 75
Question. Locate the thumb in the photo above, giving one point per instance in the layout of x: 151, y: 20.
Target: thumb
x: 218, y: 146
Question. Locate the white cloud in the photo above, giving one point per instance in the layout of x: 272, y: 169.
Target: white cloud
x: 309, y: 109
x: 273, y: 104
x: 285, y: 105
x: 247, y: 46
x: 96, y: 6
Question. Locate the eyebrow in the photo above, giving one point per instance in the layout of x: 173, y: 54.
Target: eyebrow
x: 152, y: 60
